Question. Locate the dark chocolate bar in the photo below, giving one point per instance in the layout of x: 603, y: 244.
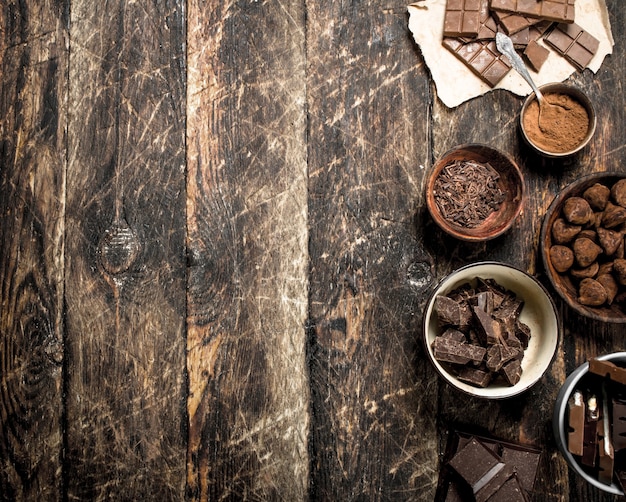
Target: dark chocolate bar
x: 619, y: 424
x: 476, y: 464
x: 607, y: 369
x: 576, y: 423
x: 573, y: 43
x: 481, y: 57
x: 462, y: 18
x: 553, y: 10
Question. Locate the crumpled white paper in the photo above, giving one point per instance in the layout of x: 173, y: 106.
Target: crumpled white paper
x: 456, y: 83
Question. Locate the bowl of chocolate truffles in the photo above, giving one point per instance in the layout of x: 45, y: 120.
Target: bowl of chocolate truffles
x: 475, y: 192
x: 563, y: 125
x: 582, y: 246
x: 490, y: 330
x: 589, y: 422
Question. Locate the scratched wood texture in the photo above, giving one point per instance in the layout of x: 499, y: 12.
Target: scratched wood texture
x: 214, y: 252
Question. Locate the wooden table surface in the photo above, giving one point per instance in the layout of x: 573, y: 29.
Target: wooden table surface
x: 215, y: 253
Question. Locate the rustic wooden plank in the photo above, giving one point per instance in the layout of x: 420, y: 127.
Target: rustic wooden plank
x: 125, y: 250
x: 247, y: 201
x: 33, y: 83
x: 373, y: 395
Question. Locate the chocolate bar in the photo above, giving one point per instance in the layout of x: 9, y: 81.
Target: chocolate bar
x: 619, y: 424
x: 512, y: 23
x: 511, y: 475
x: 607, y: 369
x: 536, y: 55
x: 481, y: 57
x: 576, y: 422
x: 462, y: 18
x: 553, y: 10
x: 606, y: 453
x: 590, y: 436
x: 573, y: 43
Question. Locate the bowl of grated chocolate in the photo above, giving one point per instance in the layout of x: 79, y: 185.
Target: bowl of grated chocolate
x: 490, y: 330
x: 474, y: 192
x: 563, y: 126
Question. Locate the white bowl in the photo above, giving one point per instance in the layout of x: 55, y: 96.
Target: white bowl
x: 539, y: 313
x: 559, y: 421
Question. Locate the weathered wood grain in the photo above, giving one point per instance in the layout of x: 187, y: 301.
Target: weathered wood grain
x: 373, y: 434
x: 125, y: 252
x: 247, y: 219
x: 33, y: 66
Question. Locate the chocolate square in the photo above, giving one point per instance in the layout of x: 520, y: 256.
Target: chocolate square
x: 536, y: 55
x: 481, y: 57
x: 573, y: 43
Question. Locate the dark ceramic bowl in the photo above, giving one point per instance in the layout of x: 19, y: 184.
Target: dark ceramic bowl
x: 564, y: 285
x: 560, y: 420
x: 578, y: 96
x: 510, y: 182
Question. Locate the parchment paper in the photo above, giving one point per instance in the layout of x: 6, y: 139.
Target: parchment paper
x: 456, y: 83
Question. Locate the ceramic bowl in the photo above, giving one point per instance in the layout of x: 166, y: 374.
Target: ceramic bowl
x: 539, y: 313
x: 577, y: 95
x: 560, y: 420
x: 510, y: 182
x: 563, y: 284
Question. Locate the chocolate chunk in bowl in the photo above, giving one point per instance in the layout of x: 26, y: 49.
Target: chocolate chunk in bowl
x: 519, y: 361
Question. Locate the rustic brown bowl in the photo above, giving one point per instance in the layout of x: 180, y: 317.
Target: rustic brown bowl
x: 562, y: 283
x: 579, y: 96
x: 511, y: 183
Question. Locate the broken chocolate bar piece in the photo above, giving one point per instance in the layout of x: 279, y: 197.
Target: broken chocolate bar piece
x: 573, y: 43
x: 475, y: 376
x: 481, y: 57
x: 525, y: 459
x: 512, y: 371
x: 552, y: 10
x: 449, y: 350
x: 489, y: 329
x: 590, y: 441
x: 606, y: 453
x: 576, y: 423
x: 462, y: 18
x: 451, y: 312
x: 608, y: 369
x: 510, y: 491
x: 492, y: 486
x: 619, y: 424
x: 476, y: 464
x: 536, y: 55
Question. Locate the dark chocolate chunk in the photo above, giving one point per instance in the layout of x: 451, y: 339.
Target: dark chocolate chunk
x: 525, y: 459
x: 512, y: 371
x: 446, y: 349
x: 481, y: 57
x: 510, y: 491
x: 474, y: 462
x: 607, y: 369
x: 494, y: 484
x: 451, y: 312
x: 573, y: 43
x: 619, y: 424
x: 576, y: 424
x: 552, y: 10
x: 590, y: 438
x: 462, y: 18
x: 489, y: 329
x: 475, y: 376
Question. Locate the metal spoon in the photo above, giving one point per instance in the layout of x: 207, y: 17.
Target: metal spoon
x: 505, y: 46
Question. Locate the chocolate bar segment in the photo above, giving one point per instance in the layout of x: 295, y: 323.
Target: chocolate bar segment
x: 512, y: 23
x: 481, y: 57
x: 553, y: 10
x: 462, y: 18
x: 536, y: 55
x: 573, y: 43
x: 607, y: 369
x: 576, y: 422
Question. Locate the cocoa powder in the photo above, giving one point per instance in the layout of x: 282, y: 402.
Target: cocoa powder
x: 561, y: 127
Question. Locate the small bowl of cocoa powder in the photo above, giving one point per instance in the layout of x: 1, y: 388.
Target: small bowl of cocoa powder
x: 563, y: 126
x: 475, y: 192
